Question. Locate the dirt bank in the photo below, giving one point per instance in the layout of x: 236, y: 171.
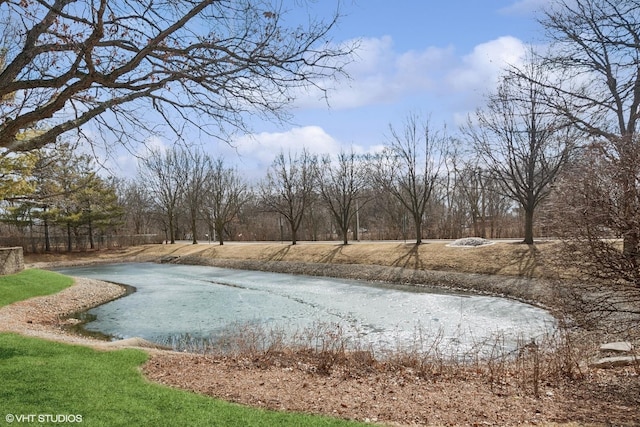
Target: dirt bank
x: 506, y: 269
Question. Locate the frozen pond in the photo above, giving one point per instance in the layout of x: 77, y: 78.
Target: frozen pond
x: 173, y: 300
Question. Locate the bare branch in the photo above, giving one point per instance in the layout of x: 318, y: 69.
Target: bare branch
x: 211, y: 61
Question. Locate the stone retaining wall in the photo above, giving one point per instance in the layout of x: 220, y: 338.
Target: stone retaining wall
x: 11, y: 260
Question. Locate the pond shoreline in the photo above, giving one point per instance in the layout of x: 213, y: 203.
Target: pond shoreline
x: 376, y: 313
x: 527, y: 273
x: 539, y: 292
x: 374, y: 394
x: 51, y: 316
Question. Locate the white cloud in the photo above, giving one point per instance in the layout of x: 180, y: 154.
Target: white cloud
x: 373, y: 55
x: 478, y: 73
x: 434, y: 79
x: 383, y: 76
x: 124, y: 160
x: 380, y: 75
x: 255, y: 153
x: 482, y: 67
x: 261, y: 148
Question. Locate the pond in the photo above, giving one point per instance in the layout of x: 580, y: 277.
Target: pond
x: 176, y: 300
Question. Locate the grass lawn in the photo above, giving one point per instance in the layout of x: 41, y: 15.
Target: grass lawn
x: 31, y: 283
x: 48, y: 383
x: 107, y: 389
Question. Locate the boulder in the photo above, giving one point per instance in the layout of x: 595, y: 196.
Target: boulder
x: 11, y: 260
x: 614, y: 362
x: 470, y: 242
x: 618, y: 347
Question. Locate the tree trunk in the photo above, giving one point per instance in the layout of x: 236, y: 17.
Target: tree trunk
x: 630, y: 246
x: 418, y: 223
x: 528, y: 226
x: 172, y: 231
x: 630, y: 233
x: 31, y: 239
x: 294, y: 234
x: 47, y: 242
x: 344, y: 227
x: 220, y: 232
x: 631, y: 240
x: 193, y: 229
x: 91, y: 242
x: 345, y: 236
x: 69, y: 243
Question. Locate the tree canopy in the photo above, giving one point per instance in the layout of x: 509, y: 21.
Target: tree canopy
x: 200, y: 63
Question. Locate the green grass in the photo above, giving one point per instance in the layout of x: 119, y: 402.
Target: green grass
x: 107, y: 389
x: 31, y: 283
x: 40, y: 378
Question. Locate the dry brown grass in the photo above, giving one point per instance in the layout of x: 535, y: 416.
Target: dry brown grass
x: 503, y: 258
x: 500, y: 258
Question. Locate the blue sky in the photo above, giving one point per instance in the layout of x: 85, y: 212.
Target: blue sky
x: 432, y: 57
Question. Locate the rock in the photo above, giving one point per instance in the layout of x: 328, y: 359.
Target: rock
x: 618, y: 347
x: 614, y: 362
x: 471, y: 242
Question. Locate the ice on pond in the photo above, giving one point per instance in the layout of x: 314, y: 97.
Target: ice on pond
x: 173, y: 300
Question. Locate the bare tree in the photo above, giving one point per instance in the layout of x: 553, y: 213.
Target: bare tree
x: 201, y: 63
x: 410, y: 167
x: 596, y: 60
x: 586, y: 209
x: 483, y: 198
x: 226, y: 194
x: 384, y: 215
x: 289, y: 188
x: 196, y: 166
x: 521, y: 141
x: 137, y: 203
x: 594, y: 69
x: 473, y: 193
x: 164, y: 176
x: 342, y: 183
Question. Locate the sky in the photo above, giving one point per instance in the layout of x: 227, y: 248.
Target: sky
x: 434, y: 58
